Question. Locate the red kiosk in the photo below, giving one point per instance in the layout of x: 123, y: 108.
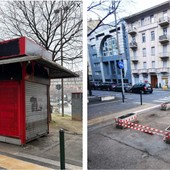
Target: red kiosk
x: 25, y: 72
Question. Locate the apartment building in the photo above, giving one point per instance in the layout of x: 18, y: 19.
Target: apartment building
x: 103, y: 53
x: 149, y: 46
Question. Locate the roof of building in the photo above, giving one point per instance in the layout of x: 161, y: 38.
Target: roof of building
x: 157, y: 8
x: 22, y: 50
x: 55, y: 70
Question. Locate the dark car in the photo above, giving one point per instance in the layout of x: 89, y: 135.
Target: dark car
x: 142, y: 88
x: 94, y: 85
x: 107, y: 86
x: 127, y: 87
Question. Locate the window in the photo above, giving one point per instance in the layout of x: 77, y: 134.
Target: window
x: 152, y: 35
x: 152, y: 51
x: 134, y: 53
x: 144, y: 52
x: 97, y: 73
x: 164, y: 63
x: 93, y: 47
x: 135, y: 66
x: 144, y: 65
x: 152, y: 19
x: 142, y: 22
x: 96, y: 64
x: 165, y: 14
x: 133, y: 39
x: 165, y: 47
x: 153, y: 64
x: 94, y: 55
x: 143, y: 38
x: 164, y: 31
x: 110, y: 47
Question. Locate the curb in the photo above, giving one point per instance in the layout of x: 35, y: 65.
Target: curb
x: 111, y: 117
x: 93, y: 99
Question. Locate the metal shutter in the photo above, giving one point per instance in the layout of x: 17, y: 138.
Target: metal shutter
x: 36, y: 110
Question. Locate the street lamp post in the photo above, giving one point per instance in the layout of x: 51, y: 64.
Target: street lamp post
x: 61, y: 50
x: 62, y: 82
x: 118, y: 48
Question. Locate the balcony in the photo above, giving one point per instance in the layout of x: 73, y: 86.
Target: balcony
x: 143, y: 71
x: 152, y: 70
x: 135, y: 71
x: 164, y: 55
x: 163, y: 39
x: 163, y: 70
x: 133, y: 45
x: 134, y: 59
x: 132, y: 31
x: 164, y: 21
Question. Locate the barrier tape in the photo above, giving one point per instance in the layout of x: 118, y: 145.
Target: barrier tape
x: 127, y: 124
x: 142, y: 126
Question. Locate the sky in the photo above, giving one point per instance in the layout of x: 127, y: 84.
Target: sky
x: 129, y: 7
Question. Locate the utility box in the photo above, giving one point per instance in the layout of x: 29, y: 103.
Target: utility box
x: 25, y: 72
x: 77, y: 106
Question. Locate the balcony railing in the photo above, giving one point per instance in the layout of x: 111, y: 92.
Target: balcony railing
x: 152, y: 70
x: 163, y: 39
x: 163, y: 70
x: 164, y: 21
x: 132, y: 31
x: 135, y: 71
x: 143, y: 70
x: 164, y: 55
x: 133, y: 45
x: 134, y: 59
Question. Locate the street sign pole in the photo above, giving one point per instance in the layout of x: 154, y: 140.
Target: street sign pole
x: 118, y: 48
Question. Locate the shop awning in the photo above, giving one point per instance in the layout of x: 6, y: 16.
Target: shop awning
x: 56, y: 70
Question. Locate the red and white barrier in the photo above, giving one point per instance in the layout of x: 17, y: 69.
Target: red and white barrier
x: 142, y: 128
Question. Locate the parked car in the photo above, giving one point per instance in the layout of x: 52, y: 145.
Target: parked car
x: 107, y: 86
x: 142, y: 87
x: 95, y: 85
x: 127, y: 87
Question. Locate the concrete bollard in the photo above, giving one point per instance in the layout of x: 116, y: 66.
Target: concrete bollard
x: 130, y: 117
x: 167, y: 135
x: 165, y: 106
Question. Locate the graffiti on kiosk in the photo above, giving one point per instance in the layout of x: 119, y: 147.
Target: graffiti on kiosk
x: 35, y: 106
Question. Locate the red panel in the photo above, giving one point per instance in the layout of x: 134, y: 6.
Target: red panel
x: 22, y: 45
x: 9, y: 109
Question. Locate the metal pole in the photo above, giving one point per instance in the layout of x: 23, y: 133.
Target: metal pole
x: 62, y: 149
x: 62, y: 83
x: 141, y: 97
x: 118, y: 48
x: 123, y: 97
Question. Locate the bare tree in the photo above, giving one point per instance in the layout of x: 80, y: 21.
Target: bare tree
x: 42, y: 21
x: 103, y: 9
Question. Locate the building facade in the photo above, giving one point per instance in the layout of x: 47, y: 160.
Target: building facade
x: 149, y: 47
x: 103, y: 54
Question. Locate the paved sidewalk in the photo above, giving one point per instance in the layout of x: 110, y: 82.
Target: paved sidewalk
x: 45, y: 151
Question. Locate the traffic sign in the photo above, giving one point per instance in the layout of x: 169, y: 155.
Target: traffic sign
x: 120, y: 64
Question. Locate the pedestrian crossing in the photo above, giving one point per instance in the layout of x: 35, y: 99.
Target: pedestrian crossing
x: 162, y: 100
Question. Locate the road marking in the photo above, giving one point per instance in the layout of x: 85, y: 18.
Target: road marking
x: 99, y: 104
x: 149, y: 108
